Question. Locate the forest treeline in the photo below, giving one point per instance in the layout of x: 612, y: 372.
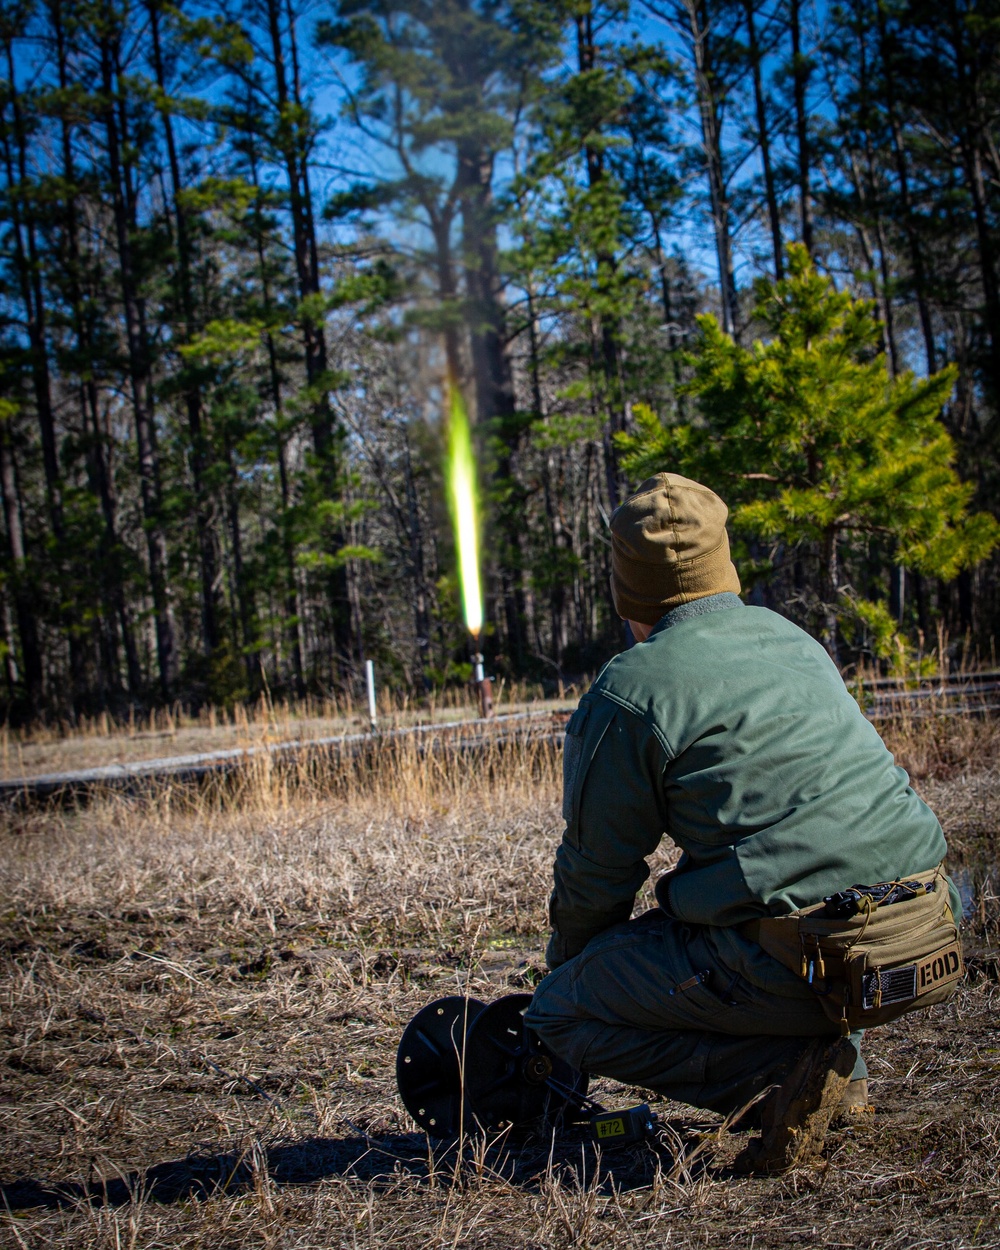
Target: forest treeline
x: 244, y: 246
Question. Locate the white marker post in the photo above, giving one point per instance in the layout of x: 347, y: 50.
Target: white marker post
x: 484, y: 687
x: 370, y: 679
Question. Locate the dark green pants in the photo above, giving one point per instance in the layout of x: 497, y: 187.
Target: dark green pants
x: 652, y: 1003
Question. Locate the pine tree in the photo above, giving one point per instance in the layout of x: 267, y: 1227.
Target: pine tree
x: 814, y: 444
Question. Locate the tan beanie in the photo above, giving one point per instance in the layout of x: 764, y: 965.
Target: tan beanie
x: 669, y: 546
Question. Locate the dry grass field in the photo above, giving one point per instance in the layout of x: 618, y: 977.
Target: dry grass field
x: 174, y: 731
x: 201, y: 996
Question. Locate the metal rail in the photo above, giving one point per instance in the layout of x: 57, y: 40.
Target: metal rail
x: 942, y: 680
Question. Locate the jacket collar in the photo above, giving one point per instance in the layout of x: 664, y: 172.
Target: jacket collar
x: 697, y: 607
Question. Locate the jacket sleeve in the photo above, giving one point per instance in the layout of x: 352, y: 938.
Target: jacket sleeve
x: 615, y: 816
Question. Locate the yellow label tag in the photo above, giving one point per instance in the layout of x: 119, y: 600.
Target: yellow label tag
x: 611, y: 1128
x: 940, y: 968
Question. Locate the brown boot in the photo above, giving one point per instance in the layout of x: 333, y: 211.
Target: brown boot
x: 798, y: 1116
x: 855, y: 1111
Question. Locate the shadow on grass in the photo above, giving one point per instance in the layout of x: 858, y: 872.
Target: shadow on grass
x: 522, y: 1161
x: 202, y: 1174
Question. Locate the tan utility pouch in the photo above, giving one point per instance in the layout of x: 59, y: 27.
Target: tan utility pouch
x: 874, y: 966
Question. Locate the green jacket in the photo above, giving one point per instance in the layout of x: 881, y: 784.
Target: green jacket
x: 730, y: 730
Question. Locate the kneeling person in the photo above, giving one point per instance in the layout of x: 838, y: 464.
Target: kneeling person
x: 730, y: 730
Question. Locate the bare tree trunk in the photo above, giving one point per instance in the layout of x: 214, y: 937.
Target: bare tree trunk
x: 251, y: 654
x: 447, y: 293
x: 888, y: 312
x: 327, y: 437
x: 764, y: 141
x: 971, y: 140
x: 139, y: 377
x: 606, y: 334
x: 897, y: 592
x: 200, y: 455
x: 872, y: 207
x: 11, y: 674
x: 29, y: 272
x: 669, y: 320
x: 800, y: 80
x: 490, y: 365
x: 700, y: 26
x: 111, y: 570
x: 23, y: 609
x: 559, y: 539
x: 906, y: 202
x: 880, y: 290
x: 987, y: 256
x: 293, y: 610
x: 830, y: 582
x: 421, y: 606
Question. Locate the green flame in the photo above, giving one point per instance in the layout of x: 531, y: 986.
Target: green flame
x: 464, y: 510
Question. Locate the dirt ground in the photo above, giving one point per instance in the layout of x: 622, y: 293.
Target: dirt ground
x: 200, y: 1003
